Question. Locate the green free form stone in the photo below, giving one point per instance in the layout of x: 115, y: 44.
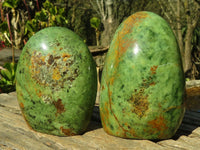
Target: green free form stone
x: 142, y: 86
x: 56, y: 82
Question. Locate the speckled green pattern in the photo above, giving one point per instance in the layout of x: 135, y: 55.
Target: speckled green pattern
x: 142, y: 86
x: 56, y: 82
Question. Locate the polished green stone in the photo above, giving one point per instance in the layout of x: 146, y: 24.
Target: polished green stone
x: 56, y: 82
x: 142, y: 86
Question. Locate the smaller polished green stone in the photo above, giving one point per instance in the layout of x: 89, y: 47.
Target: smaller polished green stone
x: 56, y: 82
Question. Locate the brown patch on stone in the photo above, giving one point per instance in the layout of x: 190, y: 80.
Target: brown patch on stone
x: 50, y: 60
x: 67, y: 132
x: 152, y: 84
x: 153, y: 70
x: 51, y: 71
x: 43, y: 58
x: 57, y: 57
x: 56, y: 75
x: 140, y: 103
x: 106, y: 108
x: 39, y: 93
x: 158, y: 125
x: 59, y: 106
x: 112, y: 80
x: 66, y: 55
x: 37, y: 61
x: 21, y: 105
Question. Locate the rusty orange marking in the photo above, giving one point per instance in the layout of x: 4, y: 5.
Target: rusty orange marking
x: 59, y: 106
x: 158, y: 125
x: 112, y: 80
x: 122, y: 43
x: 106, y: 108
x: 67, y: 132
x: 21, y: 105
x: 65, y: 59
x: 61, y: 48
x: 39, y: 93
x: 153, y: 69
x: 42, y: 58
x: 152, y: 84
x: 56, y: 75
x: 138, y: 17
x: 132, y: 21
x: 105, y: 117
x: 66, y: 55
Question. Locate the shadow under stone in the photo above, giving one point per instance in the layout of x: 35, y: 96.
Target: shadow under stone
x: 95, y: 122
x: 191, y: 121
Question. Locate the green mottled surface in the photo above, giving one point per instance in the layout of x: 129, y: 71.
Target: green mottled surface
x: 56, y: 82
x: 142, y: 86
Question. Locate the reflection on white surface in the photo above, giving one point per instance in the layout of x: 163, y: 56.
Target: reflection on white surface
x: 136, y: 49
x: 44, y: 46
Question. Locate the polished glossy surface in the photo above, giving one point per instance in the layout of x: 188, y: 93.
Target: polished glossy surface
x: 56, y: 82
x: 142, y: 86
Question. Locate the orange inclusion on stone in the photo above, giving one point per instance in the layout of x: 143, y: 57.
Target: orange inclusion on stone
x: 59, y: 106
x: 158, y: 125
x: 21, y: 105
x: 152, y: 84
x: 65, y: 55
x: 123, y: 41
x: 56, y: 75
x: 105, y: 117
x: 39, y: 93
x: 153, y: 69
x: 67, y: 132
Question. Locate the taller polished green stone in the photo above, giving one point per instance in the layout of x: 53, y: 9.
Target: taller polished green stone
x: 142, y: 86
x: 56, y: 82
